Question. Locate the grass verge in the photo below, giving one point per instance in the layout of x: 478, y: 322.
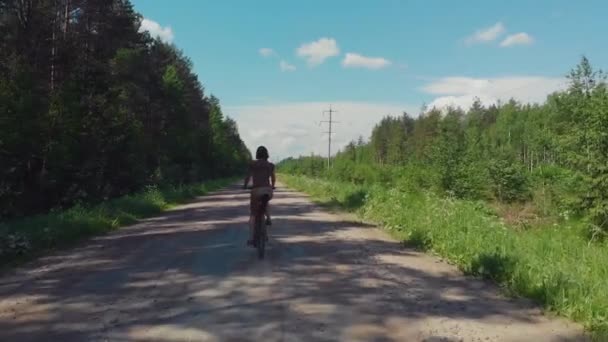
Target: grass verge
x: 553, y: 265
x: 24, y: 239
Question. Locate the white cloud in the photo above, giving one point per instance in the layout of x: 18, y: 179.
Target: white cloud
x: 295, y: 126
x: 462, y: 91
x: 266, y: 52
x: 286, y: 66
x: 156, y: 30
x: 288, y: 141
x: 257, y: 133
x: 521, y: 38
x: 487, y: 34
x: 318, y: 51
x: 354, y: 60
x: 456, y: 85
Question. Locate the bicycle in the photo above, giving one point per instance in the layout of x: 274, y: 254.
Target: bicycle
x: 260, y: 233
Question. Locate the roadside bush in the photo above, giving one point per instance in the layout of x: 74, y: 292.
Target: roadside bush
x: 553, y: 265
x: 13, y: 244
x: 509, y: 181
x: 558, y: 191
x: 24, y: 238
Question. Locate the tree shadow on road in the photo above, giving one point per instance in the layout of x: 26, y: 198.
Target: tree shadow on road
x: 187, y: 275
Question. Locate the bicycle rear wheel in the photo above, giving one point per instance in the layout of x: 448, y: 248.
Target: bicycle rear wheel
x: 261, y: 246
x: 260, y: 227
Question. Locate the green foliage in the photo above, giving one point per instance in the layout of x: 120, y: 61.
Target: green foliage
x: 555, y: 266
x: 509, y: 181
x: 559, y: 190
x: 92, y: 109
x: 583, y: 109
x: 554, y: 155
x: 24, y: 238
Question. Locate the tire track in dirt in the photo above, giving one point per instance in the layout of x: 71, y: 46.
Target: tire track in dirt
x: 187, y: 276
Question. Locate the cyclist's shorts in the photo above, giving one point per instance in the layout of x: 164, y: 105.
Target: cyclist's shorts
x: 256, y: 194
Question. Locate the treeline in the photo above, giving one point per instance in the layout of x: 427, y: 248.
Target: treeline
x: 555, y: 154
x: 91, y: 108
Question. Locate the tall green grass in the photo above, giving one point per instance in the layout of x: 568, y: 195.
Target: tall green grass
x: 26, y: 238
x: 554, y: 265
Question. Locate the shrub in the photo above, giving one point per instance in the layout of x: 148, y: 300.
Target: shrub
x: 509, y: 181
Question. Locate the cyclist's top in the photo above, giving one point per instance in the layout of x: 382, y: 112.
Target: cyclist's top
x: 260, y: 171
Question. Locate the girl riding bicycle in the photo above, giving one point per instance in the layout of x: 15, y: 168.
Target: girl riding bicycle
x: 261, y: 171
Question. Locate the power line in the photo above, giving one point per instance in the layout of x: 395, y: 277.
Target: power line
x: 329, y: 132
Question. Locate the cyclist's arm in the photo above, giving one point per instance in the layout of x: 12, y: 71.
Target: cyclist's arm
x: 273, y: 177
x: 247, y: 177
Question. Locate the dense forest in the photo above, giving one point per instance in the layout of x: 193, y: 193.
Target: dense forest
x: 92, y: 108
x: 553, y: 155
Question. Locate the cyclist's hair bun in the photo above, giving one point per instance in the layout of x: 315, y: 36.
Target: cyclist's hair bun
x: 261, y: 153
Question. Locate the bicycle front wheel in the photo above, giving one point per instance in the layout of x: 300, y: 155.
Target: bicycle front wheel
x: 261, y: 246
x: 260, y: 237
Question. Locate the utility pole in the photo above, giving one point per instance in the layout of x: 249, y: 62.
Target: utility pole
x: 330, y: 122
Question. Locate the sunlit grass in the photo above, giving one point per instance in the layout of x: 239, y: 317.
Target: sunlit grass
x: 25, y: 238
x: 553, y: 265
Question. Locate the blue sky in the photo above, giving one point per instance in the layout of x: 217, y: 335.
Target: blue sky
x: 276, y: 65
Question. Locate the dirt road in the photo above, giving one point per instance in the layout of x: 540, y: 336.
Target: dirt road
x: 187, y: 276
